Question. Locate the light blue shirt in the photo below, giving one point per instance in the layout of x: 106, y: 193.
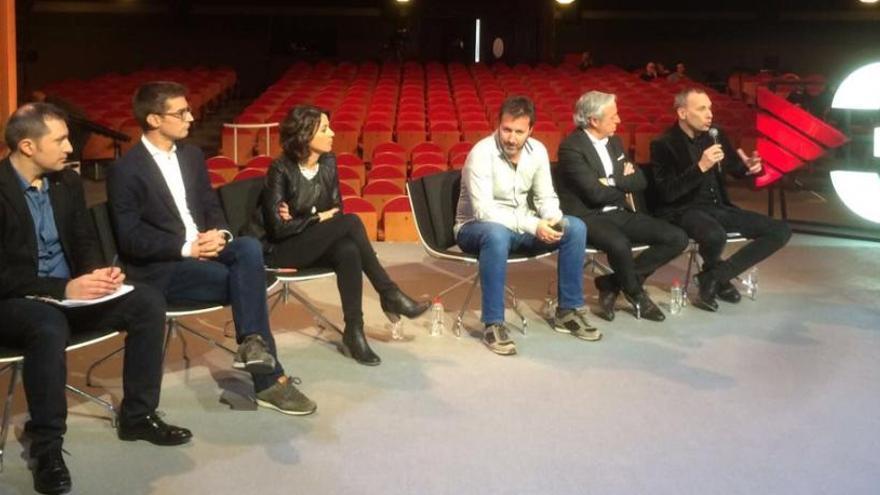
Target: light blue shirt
x: 50, y: 253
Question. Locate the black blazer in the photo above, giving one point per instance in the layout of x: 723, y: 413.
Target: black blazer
x: 149, y: 230
x: 18, y: 241
x: 677, y: 176
x: 579, y: 170
x: 305, y: 198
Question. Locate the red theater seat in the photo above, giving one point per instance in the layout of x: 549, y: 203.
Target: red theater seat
x: 367, y: 213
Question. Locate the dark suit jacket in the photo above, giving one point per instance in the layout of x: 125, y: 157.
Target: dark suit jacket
x: 18, y: 241
x: 579, y: 170
x: 149, y: 230
x: 677, y: 176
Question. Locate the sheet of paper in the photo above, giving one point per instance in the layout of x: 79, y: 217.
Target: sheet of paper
x: 76, y: 303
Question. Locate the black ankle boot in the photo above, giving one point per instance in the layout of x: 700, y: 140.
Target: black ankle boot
x: 355, y: 346
x: 396, y: 303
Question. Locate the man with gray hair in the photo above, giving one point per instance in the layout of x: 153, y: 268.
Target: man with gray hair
x: 689, y: 162
x: 595, y: 182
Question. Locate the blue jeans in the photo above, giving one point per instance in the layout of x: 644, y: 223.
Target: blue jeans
x: 493, y: 242
x: 236, y: 277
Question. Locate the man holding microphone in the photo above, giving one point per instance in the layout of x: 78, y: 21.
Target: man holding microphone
x: 689, y: 162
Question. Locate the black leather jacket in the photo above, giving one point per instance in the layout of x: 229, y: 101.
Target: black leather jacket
x: 304, y: 197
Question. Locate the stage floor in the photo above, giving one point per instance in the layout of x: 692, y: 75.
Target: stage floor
x: 773, y: 396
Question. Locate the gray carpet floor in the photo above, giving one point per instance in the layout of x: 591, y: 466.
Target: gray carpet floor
x: 772, y: 396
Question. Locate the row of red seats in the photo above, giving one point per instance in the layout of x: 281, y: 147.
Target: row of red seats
x: 395, y: 222
x: 461, y: 103
x: 107, y: 99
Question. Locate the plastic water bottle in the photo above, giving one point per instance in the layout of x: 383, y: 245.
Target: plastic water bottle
x: 751, y: 283
x: 397, y: 330
x: 437, y: 318
x: 676, y: 299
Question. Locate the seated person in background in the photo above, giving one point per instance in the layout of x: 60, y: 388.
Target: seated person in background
x: 502, y: 173
x: 680, y: 73
x: 650, y: 73
x: 595, y: 183
x: 48, y: 249
x: 586, y: 61
x: 689, y: 167
x: 302, y: 225
x: 174, y: 236
x: 662, y: 71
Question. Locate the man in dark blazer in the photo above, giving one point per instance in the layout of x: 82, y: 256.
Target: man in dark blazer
x: 173, y: 235
x: 689, y: 162
x: 48, y: 251
x: 595, y: 181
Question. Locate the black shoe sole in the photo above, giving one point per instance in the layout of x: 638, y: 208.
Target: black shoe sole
x: 55, y: 490
x: 705, y: 306
x: 133, y: 437
x: 731, y: 300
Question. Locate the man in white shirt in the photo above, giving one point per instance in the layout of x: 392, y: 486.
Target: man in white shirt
x: 596, y: 182
x: 494, y: 218
x: 173, y: 235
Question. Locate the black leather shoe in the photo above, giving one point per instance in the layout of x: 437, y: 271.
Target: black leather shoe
x: 644, y: 307
x: 708, y: 289
x: 395, y: 303
x: 50, y: 474
x: 355, y: 346
x: 152, y: 429
x: 608, y: 292
x: 727, y: 292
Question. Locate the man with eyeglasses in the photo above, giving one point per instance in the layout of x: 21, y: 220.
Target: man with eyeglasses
x: 173, y: 235
x: 48, y: 256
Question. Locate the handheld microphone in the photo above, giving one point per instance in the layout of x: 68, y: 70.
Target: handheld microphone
x: 713, y: 133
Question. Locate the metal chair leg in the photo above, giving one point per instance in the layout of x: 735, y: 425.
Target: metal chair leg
x: 514, y: 302
x: 98, y: 363
x: 459, y: 321
x: 97, y: 400
x: 180, y: 327
x: 470, y: 278
x: 315, y: 311
x: 7, y: 408
x: 692, y: 259
x: 171, y: 330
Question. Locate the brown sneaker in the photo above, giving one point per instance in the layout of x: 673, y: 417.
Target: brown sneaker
x: 496, y: 338
x: 574, y: 322
x: 285, y: 398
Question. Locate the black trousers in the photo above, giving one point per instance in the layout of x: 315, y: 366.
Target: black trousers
x: 340, y: 243
x: 709, y: 225
x: 615, y: 232
x: 43, y: 330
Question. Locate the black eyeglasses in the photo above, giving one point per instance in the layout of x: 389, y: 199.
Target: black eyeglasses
x: 180, y: 114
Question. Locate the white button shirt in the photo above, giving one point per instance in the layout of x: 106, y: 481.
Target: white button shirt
x: 601, y: 146
x: 494, y: 191
x: 169, y: 166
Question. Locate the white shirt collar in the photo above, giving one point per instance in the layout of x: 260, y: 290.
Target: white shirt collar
x: 153, y: 150
x: 596, y: 142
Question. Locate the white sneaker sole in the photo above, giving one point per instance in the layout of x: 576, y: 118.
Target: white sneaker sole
x: 269, y: 405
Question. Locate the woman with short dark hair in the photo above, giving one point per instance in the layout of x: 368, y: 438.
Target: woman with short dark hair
x: 301, y: 212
